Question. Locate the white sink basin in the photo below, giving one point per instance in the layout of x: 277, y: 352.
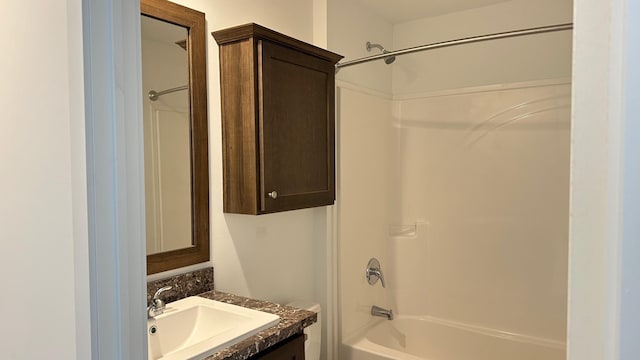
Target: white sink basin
x: 195, y: 327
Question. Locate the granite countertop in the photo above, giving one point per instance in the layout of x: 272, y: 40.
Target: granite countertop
x: 292, y: 321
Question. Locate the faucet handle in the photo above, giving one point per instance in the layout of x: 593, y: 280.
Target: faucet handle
x: 374, y: 273
x: 157, y: 305
x: 160, y: 291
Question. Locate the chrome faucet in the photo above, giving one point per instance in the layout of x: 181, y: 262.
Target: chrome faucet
x: 157, y: 305
x: 374, y: 273
x: 378, y: 311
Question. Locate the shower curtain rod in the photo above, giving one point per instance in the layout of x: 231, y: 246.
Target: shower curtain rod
x: 154, y: 95
x: 467, y: 40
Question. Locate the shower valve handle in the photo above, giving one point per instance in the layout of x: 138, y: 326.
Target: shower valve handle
x: 374, y: 272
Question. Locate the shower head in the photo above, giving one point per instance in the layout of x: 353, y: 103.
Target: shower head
x: 389, y: 59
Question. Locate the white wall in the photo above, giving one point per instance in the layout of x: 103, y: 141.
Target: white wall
x: 603, y: 283
x: 535, y: 57
x: 43, y: 220
x: 630, y: 269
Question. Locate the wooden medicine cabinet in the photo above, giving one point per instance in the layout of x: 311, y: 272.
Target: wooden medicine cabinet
x: 278, y: 121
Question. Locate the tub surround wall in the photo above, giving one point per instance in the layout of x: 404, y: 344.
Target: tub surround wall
x: 487, y: 172
x: 448, y: 119
x: 483, y: 162
x: 363, y: 138
x: 363, y: 180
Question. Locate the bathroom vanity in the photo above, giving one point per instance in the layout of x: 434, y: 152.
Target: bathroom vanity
x: 292, y: 348
x: 282, y: 341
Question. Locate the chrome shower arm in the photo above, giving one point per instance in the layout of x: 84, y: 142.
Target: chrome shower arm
x: 378, y: 46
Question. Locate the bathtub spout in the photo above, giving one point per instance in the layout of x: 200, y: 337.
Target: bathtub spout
x: 378, y: 311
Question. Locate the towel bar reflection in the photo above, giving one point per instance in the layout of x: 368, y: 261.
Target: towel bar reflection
x: 154, y: 95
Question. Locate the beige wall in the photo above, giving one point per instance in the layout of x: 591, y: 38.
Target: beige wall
x: 350, y: 26
x: 535, y: 57
x: 274, y: 256
x: 279, y: 257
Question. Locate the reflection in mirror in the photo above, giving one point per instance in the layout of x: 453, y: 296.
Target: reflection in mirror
x: 175, y: 135
x: 165, y: 75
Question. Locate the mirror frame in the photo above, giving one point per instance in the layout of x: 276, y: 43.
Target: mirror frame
x: 194, y: 21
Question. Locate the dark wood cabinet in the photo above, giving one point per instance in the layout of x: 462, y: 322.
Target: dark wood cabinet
x: 278, y: 122
x: 290, y: 349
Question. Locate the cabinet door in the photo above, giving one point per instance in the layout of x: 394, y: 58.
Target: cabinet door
x: 292, y: 349
x: 296, y: 128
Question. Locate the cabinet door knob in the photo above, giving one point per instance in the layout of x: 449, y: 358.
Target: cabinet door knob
x: 273, y: 194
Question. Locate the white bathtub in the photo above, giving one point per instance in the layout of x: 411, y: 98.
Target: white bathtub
x: 412, y: 338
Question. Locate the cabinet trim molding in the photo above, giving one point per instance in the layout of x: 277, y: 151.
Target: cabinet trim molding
x: 252, y: 30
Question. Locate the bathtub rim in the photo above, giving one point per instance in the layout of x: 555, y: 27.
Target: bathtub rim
x: 359, y: 336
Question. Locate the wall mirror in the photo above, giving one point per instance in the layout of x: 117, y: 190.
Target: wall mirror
x: 175, y: 135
